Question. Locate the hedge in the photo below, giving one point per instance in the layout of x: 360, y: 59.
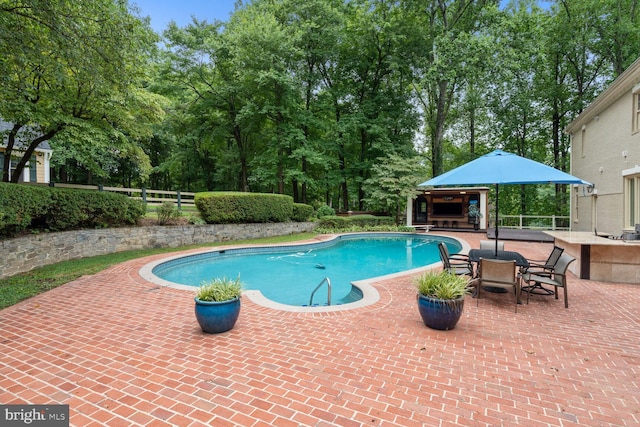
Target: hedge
x: 341, y: 222
x: 25, y: 207
x: 229, y: 207
x: 302, y: 212
x: 20, y: 206
x: 84, y: 208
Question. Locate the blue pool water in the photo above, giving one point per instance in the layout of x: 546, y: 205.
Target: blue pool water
x: 289, y: 274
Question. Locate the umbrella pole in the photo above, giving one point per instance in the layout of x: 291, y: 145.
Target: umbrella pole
x: 497, y: 204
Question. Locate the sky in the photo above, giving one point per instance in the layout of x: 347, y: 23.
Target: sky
x: 162, y: 12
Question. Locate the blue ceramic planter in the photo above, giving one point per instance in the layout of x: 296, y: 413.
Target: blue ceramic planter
x: 440, y: 314
x: 216, y: 317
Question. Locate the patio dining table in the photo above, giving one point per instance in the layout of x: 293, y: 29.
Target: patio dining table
x: 476, y: 254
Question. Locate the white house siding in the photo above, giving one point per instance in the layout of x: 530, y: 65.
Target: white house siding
x: 600, y: 136
x: 41, y: 156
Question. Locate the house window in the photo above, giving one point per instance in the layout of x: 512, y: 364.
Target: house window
x: 576, y: 203
x: 12, y: 166
x: 13, y: 163
x: 33, y: 169
x: 636, y: 111
x: 632, y: 200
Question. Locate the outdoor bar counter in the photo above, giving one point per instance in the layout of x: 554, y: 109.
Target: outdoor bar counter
x: 599, y: 258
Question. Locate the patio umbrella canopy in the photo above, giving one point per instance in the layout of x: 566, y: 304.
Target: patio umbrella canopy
x: 500, y: 167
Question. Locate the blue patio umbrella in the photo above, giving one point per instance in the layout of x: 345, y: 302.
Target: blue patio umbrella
x: 500, y: 167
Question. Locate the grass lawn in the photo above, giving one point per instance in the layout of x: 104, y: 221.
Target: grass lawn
x: 22, y: 286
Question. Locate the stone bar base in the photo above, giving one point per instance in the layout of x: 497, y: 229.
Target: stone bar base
x: 600, y: 258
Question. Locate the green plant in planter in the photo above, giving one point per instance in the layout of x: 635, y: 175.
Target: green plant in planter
x: 441, y: 298
x: 474, y: 212
x: 442, y: 285
x: 218, y: 304
x: 219, y: 289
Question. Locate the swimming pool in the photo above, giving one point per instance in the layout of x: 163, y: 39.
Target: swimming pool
x: 288, y: 274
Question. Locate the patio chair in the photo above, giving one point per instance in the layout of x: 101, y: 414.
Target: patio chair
x: 457, y: 264
x: 496, y: 273
x: 547, y: 265
x: 489, y: 244
x: 556, y: 278
x: 543, y: 268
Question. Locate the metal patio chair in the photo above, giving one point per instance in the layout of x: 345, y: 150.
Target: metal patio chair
x: 496, y: 273
x: 543, y: 268
x: 556, y: 278
x: 457, y: 263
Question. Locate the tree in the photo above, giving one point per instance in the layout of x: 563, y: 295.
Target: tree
x: 304, y: 96
x: 393, y: 181
x: 212, y: 115
x: 74, y: 70
x: 450, y: 49
x: 315, y: 27
x: 616, y: 24
x: 263, y: 53
x: 518, y: 110
x: 309, y: 92
x: 370, y: 87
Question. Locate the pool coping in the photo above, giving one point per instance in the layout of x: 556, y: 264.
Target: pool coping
x: 370, y: 294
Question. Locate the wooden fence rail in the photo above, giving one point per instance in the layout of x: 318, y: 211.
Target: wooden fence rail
x: 150, y: 197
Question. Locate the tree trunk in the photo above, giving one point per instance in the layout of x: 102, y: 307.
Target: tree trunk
x: 237, y: 136
x: 363, y: 172
x: 28, y: 152
x: 303, y: 195
x: 472, y: 131
x: 11, y: 139
x: 438, y: 135
x: 343, y: 185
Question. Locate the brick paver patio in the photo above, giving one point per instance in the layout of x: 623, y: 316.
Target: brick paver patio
x: 121, y: 351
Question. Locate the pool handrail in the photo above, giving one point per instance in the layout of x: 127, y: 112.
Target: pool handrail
x: 326, y: 279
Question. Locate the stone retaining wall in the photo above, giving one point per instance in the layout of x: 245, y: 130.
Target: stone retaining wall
x: 26, y: 253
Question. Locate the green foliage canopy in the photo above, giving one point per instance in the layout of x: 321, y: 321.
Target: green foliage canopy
x: 74, y: 71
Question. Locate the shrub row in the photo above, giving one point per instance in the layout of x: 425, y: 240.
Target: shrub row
x: 230, y: 207
x: 344, y: 222
x: 25, y: 207
x: 302, y: 212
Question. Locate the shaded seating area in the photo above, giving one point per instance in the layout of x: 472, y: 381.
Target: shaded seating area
x: 536, y: 273
x: 557, y: 277
x: 497, y: 273
x: 457, y: 263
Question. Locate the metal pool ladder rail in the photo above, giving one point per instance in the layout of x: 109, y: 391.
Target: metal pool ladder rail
x: 326, y: 279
